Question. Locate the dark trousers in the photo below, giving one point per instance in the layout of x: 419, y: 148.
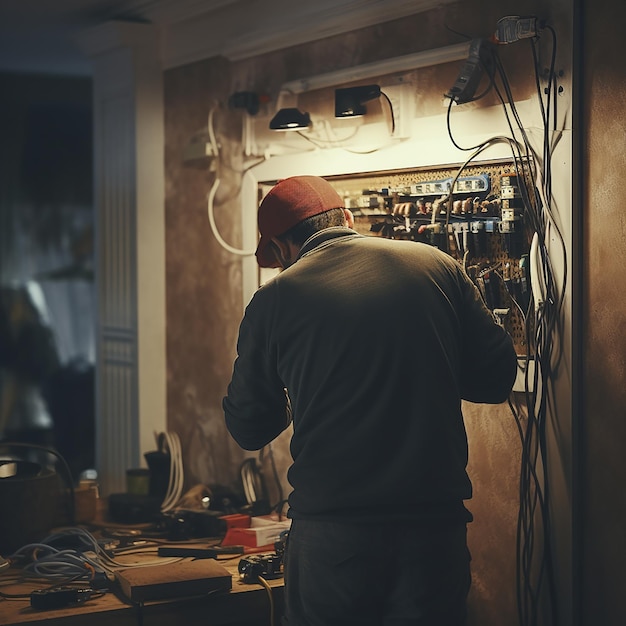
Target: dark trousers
x: 393, y: 574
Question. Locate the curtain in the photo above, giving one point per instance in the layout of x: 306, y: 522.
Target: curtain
x: 47, y: 308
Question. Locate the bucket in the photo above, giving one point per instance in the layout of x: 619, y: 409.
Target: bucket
x: 32, y: 503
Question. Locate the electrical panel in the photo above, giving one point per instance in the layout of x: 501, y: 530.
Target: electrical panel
x: 475, y: 214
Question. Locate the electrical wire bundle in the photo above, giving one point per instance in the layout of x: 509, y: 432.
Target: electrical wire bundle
x: 75, y: 567
x: 542, y: 326
x: 215, y: 150
x: 70, y: 554
x: 177, y: 475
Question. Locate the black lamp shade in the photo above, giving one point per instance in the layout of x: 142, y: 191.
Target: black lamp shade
x: 290, y: 119
x: 349, y: 100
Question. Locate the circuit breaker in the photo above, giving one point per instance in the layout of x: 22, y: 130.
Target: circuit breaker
x: 476, y: 215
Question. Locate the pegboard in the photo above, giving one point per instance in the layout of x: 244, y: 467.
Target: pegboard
x: 399, y: 204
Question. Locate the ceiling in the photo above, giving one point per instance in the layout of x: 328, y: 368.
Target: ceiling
x: 40, y: 36
x: 43, y: 36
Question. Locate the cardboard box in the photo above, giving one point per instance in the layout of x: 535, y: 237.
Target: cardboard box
x: 188, y: 577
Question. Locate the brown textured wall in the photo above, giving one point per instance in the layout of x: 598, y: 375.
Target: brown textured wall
x: 604, y: 315
x: 204, y: 293
x: 203, y: 281
x: 494, y: 453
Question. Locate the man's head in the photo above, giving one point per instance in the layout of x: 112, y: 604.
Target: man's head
x: 294, y: 208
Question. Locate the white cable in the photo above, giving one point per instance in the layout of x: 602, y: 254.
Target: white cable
x: 175, y: 489
x: 213, y: 191
x: 49, y: 562
x: 220, y: 240
x: 175, y: 485
x: 537, y: 282
x: 211, y: 129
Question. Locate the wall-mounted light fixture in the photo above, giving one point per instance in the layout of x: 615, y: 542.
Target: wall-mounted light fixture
x: 290, y: 119
x: 293, y: 119
x: 349, y: 101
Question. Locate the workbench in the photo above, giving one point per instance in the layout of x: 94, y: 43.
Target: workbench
x: 246, y: 604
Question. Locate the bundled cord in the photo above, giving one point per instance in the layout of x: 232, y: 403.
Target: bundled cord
x: 535, y: 571
x: 71, y: 554
x: 171, y: 441
x: 535, y: 564
x: 215, y: 149
x: 75, y: 566
x: 52, y: 558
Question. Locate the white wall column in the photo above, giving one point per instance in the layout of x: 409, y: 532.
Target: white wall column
x: 130, y: 246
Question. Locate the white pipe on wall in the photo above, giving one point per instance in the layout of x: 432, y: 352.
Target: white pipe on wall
x: 394, y: 65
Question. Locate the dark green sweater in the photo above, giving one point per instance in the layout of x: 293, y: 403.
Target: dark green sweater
x: 377, y: 341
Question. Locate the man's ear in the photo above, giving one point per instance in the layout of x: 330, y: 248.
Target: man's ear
x: 281, y: 252
x: 349, y: 218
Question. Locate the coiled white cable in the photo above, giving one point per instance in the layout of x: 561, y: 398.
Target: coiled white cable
x: 211, y: 195
x: 220, y: 239
x: 177, y: 475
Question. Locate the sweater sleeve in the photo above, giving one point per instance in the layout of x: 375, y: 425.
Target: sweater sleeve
x: 489, y: 359
x: 255, y: 406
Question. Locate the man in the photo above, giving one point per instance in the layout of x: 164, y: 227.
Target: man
x: 374, y: 342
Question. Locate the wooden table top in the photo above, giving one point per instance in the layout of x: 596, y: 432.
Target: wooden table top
x: 246, y: 603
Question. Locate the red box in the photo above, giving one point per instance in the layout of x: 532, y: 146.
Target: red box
x: 261, y: 533
x: 236, y: 520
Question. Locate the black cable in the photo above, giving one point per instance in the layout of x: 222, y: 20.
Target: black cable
x: 510, y: 294
x: 391, y: 113
x: 456, y: 32
x: 525, y: 531
x: 552, y: 310
x: 521, y: 160
x: 551, y: 114
x: 451, y: 136
x: 534, y: 560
